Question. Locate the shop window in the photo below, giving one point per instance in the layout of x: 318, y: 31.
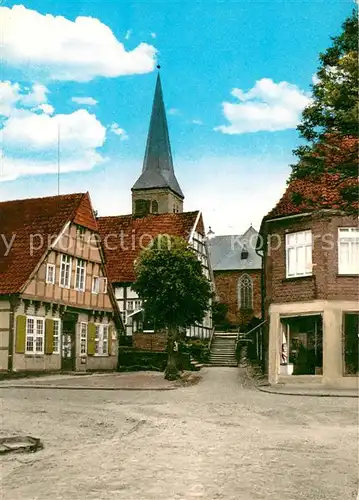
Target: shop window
x: 302, y: 345
x: 351, y: 341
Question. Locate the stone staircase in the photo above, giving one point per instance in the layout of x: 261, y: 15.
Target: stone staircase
x: 223, y: 349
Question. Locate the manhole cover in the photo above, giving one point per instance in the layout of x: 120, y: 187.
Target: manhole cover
x: 20, y: 444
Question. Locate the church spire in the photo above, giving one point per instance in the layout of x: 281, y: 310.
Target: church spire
x: 157, y: 170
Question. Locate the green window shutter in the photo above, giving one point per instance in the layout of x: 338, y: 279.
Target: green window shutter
x: 109, y: 339
x: 20, y: 334
x: 49, y: 336
x: 91, y: 335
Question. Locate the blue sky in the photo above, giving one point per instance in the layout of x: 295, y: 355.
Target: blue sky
x: 235, y: 75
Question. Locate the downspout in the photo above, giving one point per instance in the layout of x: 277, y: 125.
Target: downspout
x: 263, y: 257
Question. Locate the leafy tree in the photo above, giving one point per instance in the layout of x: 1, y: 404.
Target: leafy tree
x: 330, y: 122
x: 175, y: 293
x: 219, y: 312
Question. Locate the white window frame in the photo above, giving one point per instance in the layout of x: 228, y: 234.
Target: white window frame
x: 57, y: 336
x: 80, y: 268
x: 350, y: 237
x: 306, y: 245
x: 128, y: 308
x: 53, y: 269
x: 35, y: 335
x: 101, y: 344
x: 102, y: 285
x: 96, y: 290
x: 69, y: 263
x: 83, y: 338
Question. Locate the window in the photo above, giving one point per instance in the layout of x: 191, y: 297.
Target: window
x: 138, y: 305
x: 50, y: 273
x: 154, y: 207
x: 99, y: 285
x: 65, y: 273
x: 35, y: 330
x: 244, y: 253
x: 123, y: 316
x: 245, y: 292
x: 348, y: 250
x: 299, y: 254
x: 351, y: 343
x: 96, y: 284
x: 101, y: 340
x: 56, y: 337
x: 83, y: 339
x: 80, y: 278
x: 80, y: 231
x: 130, y: 305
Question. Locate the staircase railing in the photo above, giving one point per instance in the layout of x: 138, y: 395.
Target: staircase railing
x: 211, y: 338
x: 241, y: 337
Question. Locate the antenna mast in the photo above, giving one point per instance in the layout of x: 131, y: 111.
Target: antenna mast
x: 58, y: 158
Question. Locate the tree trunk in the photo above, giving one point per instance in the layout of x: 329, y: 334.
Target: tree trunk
x: 171, y: 372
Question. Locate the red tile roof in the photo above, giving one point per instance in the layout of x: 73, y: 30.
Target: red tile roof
x: 124, y: 236
x: 30, y: 220
x: 309, y: 194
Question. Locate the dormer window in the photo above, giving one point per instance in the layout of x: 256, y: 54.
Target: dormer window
x: 244, y: 253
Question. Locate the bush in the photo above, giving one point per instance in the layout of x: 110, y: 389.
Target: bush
x: 197, y: 348
x: 135, y: 360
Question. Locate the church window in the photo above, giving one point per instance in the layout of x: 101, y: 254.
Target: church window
x: 154, y: 207
x: 244, y: 253
x: 142, y: 207
x: 245, y: 292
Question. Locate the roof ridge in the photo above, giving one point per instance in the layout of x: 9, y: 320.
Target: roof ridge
x: 42, y: 197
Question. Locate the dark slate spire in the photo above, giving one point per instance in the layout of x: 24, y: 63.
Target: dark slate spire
x: 157, y: 170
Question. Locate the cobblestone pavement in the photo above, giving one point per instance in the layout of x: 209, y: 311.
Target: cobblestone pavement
x: 219, y: 439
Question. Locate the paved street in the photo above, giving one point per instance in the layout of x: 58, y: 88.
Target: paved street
x: 215, y: 440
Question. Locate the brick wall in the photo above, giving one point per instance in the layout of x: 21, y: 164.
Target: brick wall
x: 227, y: 290
x: 325, y: 283
x: 150, y: 341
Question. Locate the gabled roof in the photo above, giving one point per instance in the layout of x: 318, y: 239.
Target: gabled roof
x: 123, y: 237
x: 308, y: 194
x: 319, y: 194
x: 42, y: 218
x: 157, y: 170
x: 225, y: 252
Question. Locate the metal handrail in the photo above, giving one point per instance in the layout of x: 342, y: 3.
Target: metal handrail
x: 250, y: 331
x: 211, y: 337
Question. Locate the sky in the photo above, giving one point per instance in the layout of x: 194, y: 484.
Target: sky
x: 76, y: 87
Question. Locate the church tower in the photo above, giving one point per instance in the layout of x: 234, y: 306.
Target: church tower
x: 157, y: 189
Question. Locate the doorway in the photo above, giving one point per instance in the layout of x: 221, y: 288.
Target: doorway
x: 302, y: 346
x: 68, y: 349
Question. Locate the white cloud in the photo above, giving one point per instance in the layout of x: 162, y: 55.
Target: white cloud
x: 34, y: 131
x: 46, y: 108
x: 61, y: 49
x: 128, y: 34
x: 87, y: 101
x: 174, y: 111
x: 12, y: 95
x: 267, y: 106
x: 197, y: 122
x: 315, y: 79
x: 13, y: 168
x: 116, y: 129
x: 153, y: 35
x: 30, y: 142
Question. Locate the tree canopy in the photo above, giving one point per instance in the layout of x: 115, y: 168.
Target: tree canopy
x: 170, y: 282
x: 174, y: 290
x: 329, y: 125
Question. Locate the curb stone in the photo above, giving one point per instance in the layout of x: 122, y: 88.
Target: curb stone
x: 305, y: 393
x: 86, y: 388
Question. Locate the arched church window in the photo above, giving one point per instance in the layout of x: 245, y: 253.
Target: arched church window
x: 154, y: 207
x: 245, y: 292
x: 174, y: 208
